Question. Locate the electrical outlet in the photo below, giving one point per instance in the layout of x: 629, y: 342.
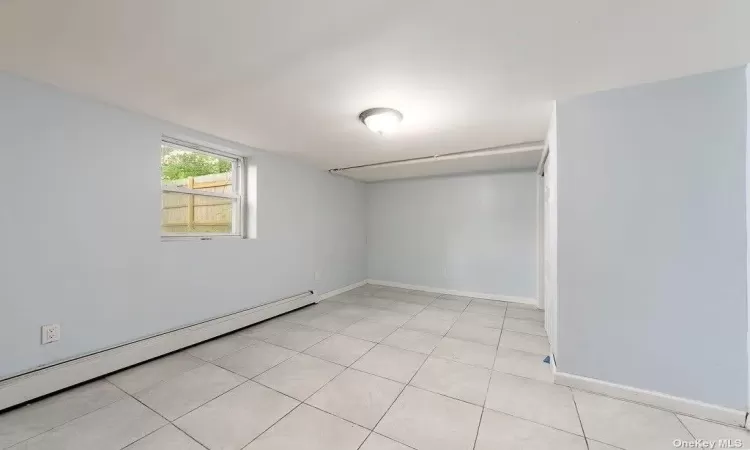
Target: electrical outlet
x: 317, y: 276
x: 50, y: 333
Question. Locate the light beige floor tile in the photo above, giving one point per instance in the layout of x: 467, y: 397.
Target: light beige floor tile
x: 596, y: 445
x: 389, y: 317
x: 429, y: 325
x: 500, y: 431
x: 473, y: 333
x: 431, y: 312
x: 297, y: 337
x: 524, y: 326
x: 415, y: 341
x: 394, y: 289
x: 254, y: 360
x: 43, y: 415
x: 234, y: 419
x: 450, y: 304
x: 222, y: 346
x: 333, y: 321
x: 112, y: 427
x: 148, y: 374
x: 300, y: 376
x: 544, y: 403
x: 481, y: 319
x: 466, y: 352
x: 347, y: 298
x: 711, y: 431
x: 310, y: 429
x: 424, y: 293
x: 302, y: 316
x: 357, y: 311
x: 525, y: 342
x: 524, y: 313
x: 369, y: 330
x: 167, y: 437
x: 486, y: 308
x: 179, y: 395
x: 428, y: 421
x: 406, y: 308
x: 340, y: 349
x: 628, y: 425
x: 433, y: 320
x: 378, y: 442
x: 392, y: 363
x: 467, y: 383
x: 357, y: 397
x: 408, y: 297
x: 529, y: 365
x: 464, y: 298
x: 378, y: 302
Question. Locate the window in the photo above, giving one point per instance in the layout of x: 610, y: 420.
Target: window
x: 201, y: 191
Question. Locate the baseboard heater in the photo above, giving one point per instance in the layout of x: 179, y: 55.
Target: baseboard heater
x: 63, y: 374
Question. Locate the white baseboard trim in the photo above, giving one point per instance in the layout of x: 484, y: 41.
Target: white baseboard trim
x: 22, y: 388
x: 656, y: 399
x: 336, y: 292
x: 504, y: 298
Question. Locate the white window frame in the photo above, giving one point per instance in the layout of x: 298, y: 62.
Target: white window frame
x: 239, y: 185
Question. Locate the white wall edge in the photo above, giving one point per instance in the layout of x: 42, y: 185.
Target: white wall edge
x: 504, y: 298
x: 656, y: 399
x: 23, y: 388
x: 747, y: 229
x: 336, y: 292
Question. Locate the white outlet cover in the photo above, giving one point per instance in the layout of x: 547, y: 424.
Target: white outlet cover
x: 50, y: 333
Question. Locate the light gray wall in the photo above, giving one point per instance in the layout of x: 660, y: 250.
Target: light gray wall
x: 81, y: 240
x: 475, y: 233
x: 652, y: 239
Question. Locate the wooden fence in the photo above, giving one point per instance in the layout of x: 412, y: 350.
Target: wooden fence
x: 186, y: 213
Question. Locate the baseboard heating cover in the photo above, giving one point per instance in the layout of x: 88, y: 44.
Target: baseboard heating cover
x: 63, y: 374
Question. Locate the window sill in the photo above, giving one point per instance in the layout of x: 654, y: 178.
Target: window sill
x: 199, y: 237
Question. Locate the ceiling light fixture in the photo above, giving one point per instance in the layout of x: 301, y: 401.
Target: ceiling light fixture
x: 381, y: 120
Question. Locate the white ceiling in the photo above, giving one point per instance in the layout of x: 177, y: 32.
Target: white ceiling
x: 292, y: 75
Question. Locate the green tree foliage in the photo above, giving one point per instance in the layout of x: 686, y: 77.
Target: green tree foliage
x: 177, y: 164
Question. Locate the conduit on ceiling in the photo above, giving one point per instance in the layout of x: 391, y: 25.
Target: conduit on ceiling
x: 522, y: 156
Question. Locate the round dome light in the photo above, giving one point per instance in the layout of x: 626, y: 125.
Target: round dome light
x: 381, y: 120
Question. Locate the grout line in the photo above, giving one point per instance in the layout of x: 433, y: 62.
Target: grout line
x: 311, y: 395
x: 202, y: 404
x: 684, y: 426
x: 540, y: 424
x: 168, y: 424
x: 408, y: 383
x: 271, y: 426
x: 384, y: 437
x: 489, y: 382
x: 75, y: 418
x: 580, y: 422
x: 147, y: 435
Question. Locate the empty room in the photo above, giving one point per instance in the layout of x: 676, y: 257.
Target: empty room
x: 393, y: 225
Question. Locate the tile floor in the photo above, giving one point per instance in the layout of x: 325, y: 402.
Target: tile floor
x: 373, y: 369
